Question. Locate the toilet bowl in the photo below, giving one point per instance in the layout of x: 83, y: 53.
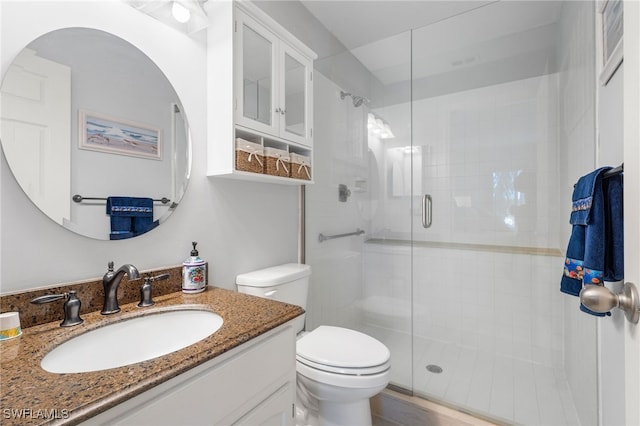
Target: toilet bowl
x: 340, y: 369
x: 337, y: 369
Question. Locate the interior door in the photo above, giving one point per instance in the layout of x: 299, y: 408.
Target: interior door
x: 36, y: 117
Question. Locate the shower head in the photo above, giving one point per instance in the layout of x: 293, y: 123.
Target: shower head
x: 357, y: 100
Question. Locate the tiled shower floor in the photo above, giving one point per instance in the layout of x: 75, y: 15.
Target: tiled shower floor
x: 487, y: 384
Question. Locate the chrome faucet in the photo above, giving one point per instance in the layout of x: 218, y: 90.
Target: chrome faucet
x: 111, y: 282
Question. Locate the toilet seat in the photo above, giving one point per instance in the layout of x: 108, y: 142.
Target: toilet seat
x: 366, y: 371
x: 342, y: 351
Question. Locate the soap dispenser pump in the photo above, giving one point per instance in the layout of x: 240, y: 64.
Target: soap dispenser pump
x: 194, y: 273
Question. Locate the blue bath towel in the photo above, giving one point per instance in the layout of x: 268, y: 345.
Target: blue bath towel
x: 130, y: 216
x: 595, y: 250
x: 614, y: 222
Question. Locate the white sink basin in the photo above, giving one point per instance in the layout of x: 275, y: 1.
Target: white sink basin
x: 130, y: 341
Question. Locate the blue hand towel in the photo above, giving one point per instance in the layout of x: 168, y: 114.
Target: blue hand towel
x: 614, y: 221
x: 130, y: 216
x: 594, y: 253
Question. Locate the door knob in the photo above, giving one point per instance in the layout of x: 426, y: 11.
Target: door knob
x: 600, y: 299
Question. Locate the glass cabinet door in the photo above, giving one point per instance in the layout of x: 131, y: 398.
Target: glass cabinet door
x: 256, y: 106
x: 257, y: 74
x: 273, y: 87
x: 295, y: 95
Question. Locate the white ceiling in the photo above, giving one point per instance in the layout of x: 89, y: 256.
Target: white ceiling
x: 357, y: 23
x: 450, y: 34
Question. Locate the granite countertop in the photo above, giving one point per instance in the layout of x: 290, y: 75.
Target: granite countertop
x: 31, y: 395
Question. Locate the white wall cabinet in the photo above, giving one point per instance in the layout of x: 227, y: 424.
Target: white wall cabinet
x: 253, y: 384
x: 273, y: 83
x: 260, y: 88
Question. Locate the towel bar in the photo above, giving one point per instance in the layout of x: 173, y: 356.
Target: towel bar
x: 79, y: 198
x: 323, y: 237
x: 614, y: 171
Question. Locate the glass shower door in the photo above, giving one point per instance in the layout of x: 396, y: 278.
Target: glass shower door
x: 487, y: 313
x: 387, y: 252
x: 482, y: 119
x: 362, y: 160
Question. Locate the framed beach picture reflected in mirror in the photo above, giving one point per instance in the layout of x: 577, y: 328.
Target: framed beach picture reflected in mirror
x: 104, y: 133
x: 612, y: 29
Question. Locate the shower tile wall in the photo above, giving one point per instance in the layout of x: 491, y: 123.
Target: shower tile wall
x: 505, y: 304
x: 489, y: 159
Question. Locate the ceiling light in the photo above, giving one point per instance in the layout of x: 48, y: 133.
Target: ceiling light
x: 371, y: 121
x: 386, y: 132
x: 379, y: 127
x: 180, y: 13
x: 188, y: 16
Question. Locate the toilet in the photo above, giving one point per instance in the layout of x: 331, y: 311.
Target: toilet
x: 337, y: 369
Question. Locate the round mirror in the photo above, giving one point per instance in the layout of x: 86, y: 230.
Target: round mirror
x: 94, y: 133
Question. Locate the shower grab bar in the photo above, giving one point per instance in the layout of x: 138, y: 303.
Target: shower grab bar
x: 427, y: 215
x: 323, y: 237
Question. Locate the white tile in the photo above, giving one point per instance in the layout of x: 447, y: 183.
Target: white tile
x: 457, y: 392
x: 552, y: 410
x: 502, y: 389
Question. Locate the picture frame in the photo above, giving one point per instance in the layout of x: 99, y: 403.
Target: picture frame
x: 612, y: 30
x: 113, y: 135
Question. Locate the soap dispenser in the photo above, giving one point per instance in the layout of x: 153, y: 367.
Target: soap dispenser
x: 194, y: 273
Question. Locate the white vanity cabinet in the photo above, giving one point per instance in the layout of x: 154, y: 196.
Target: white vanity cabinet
x: 260, y: 89
x: 253, y: 384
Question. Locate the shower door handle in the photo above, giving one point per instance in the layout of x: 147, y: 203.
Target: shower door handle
x: 427, y: 211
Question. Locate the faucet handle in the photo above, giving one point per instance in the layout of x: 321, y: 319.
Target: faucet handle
x: 110, y: 266
x: 71, y: 306
x: 159, y: 277
x: 146, y: 296
x: 48, y: 298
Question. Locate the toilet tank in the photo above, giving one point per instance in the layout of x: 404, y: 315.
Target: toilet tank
x: 288, y: 283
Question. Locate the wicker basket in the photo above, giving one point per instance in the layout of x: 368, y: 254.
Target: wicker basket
x: 300, y: 167
x: 249, y: 156
x: 277, y: 162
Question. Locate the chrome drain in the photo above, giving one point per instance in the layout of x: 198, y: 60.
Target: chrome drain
x: 432, y: 368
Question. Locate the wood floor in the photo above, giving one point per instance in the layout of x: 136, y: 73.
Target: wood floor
x: 391, y: 408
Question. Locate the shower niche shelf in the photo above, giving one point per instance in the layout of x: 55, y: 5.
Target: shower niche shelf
x: 260, y: 89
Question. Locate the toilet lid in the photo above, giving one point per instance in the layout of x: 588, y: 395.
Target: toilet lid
x: 342, y: 348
